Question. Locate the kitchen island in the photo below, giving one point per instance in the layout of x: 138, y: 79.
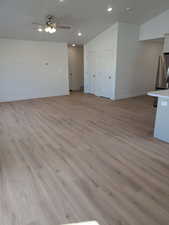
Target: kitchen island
x: 161, y: 130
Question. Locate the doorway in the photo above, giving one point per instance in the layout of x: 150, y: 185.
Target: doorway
x: 76, y: 68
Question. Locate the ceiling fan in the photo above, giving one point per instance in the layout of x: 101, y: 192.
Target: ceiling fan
x: 51, y: 25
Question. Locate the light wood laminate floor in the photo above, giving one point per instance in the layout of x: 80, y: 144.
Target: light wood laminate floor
x: 81, y: 158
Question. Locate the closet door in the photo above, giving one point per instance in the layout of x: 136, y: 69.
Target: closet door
x: 99, y: 78
x: 100, y: 70
x: 92, y: 71
x: 104, y: 78
x: 107, y: 75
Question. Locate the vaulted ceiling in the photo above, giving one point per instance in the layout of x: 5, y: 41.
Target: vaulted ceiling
x: 88, y: 16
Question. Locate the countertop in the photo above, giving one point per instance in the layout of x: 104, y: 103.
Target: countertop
x: 160, y: 94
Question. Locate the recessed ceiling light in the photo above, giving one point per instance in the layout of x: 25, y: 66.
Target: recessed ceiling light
x: 61, y: 0
x: 73, y: 45
x: 128, y: 9
x: 40, y: 29
x: 79, y: 34
x: 109, y: 9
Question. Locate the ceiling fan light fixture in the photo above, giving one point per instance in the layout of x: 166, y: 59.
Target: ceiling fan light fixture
x: 47, y: 29
x: 52, y: 30
x: 51, y: 25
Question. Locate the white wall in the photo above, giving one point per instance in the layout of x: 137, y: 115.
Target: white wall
x: 76, y: 68
x: 136, y: 62
x: 104, y: 42
x: 156, y: 27
x: 32, y: 69
x: 166, y: 44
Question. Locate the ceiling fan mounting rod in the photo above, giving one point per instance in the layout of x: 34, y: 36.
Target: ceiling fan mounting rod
x: 51, y: 19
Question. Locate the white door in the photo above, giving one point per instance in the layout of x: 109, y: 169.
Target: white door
x: 107, y: 75
x: 92, y: 71
x: 100, y: 70
x: 104, y: 74
x: 70, y: 74
x: 99, y: 75
x: 75, y: 68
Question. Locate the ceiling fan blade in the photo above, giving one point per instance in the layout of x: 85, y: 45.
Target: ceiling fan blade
x: 60, y: 26
x: 37, y: 24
